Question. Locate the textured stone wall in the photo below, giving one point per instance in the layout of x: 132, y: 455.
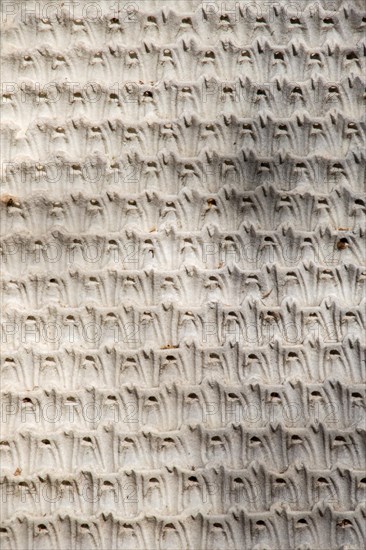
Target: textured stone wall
x: 182, y: 223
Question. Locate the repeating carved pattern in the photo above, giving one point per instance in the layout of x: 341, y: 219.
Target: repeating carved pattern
x: 183, y: 275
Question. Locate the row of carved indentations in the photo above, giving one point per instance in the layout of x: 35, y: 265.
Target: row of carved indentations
x: 174, y: 491
x: 188, y: 59
x: 137, y: 101
x: 171, y: 173
x: 334, y: 287
x: 115, y: 447
x: 128, y: 23
x: 189, y: 138
x: 325, y: 527
x: 240, y: 213
x: 212, y: 319
x: 170, y: 250
x: 135, y: 390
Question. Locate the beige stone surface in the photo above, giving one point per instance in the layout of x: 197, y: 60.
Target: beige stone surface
x: 182, y: 237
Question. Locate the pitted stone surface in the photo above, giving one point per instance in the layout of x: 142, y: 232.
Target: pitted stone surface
x: 183, y: 275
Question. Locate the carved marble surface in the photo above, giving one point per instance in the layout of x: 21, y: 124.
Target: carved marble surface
x: 183, y: 275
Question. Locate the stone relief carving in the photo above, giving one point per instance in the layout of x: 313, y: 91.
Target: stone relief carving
x: 183, y: 275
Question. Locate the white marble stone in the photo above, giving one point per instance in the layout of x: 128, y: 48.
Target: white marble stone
x: 183, y: 274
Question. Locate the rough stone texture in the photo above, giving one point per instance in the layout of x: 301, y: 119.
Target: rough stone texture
x: 182, y: 218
